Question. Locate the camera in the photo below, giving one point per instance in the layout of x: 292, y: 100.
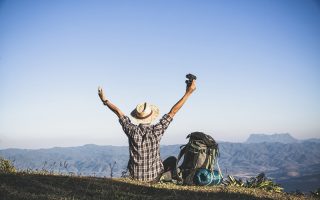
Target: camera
x: 190, y: 78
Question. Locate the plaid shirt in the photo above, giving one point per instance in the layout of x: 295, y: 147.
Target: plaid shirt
x: 144, y: 147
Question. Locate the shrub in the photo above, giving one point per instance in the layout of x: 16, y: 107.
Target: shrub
x: 6, y: 166
x: 316, y: 193
x: 259, y: 181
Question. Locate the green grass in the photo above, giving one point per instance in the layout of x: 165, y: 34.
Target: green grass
x: 15, y: 186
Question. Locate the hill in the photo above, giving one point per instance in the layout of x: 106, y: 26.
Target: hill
x: 33, y: 186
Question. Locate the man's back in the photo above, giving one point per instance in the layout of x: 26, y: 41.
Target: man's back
x: 144, y: 147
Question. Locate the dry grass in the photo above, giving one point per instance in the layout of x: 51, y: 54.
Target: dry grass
x: 34, y: 186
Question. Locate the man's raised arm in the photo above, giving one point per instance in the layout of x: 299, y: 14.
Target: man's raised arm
x: 106, y: 102
x: 191, y: 88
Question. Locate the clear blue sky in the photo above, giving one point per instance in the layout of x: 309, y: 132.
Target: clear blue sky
x: 257, y: 62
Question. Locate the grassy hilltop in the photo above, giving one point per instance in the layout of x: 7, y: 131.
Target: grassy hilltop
x: 16, y: 186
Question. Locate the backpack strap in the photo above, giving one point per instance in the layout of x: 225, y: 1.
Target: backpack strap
x: 182, y: 152
x: 178, y: 174
x: 215, y: 160
x: 220, y: 173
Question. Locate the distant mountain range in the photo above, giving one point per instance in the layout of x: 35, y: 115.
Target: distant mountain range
x: 285, y: 138
x: 281, y: 138
x: 288, y: 161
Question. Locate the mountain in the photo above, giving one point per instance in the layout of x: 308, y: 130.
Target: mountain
x: 83, y: 160
x: 278, y: 137
x: 284, y: 163
x: 317, y: 140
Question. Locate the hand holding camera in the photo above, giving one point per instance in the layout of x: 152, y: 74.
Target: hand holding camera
x: 191, y: 85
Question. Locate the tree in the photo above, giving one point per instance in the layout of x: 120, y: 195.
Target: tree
x: 112, y: 165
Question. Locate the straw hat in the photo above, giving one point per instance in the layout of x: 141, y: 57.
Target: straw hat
x: 145, y: 113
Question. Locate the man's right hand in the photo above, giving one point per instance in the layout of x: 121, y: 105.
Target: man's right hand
x: 192, y: 87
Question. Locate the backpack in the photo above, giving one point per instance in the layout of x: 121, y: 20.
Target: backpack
x: 199, y: 159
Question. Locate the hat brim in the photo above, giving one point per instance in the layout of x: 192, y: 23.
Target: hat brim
x: 149, y: 120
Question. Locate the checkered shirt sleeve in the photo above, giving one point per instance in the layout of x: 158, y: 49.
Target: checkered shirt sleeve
x: 128, y: 127
x: 162, y: 125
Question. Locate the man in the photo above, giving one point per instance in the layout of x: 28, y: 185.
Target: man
x: 144, y: 139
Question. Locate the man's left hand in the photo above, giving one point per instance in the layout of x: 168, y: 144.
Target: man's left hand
x: 101, y: 94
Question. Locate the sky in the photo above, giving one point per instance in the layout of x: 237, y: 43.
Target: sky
x: 257, y: 63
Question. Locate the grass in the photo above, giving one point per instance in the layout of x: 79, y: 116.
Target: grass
x: 16, y: 186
